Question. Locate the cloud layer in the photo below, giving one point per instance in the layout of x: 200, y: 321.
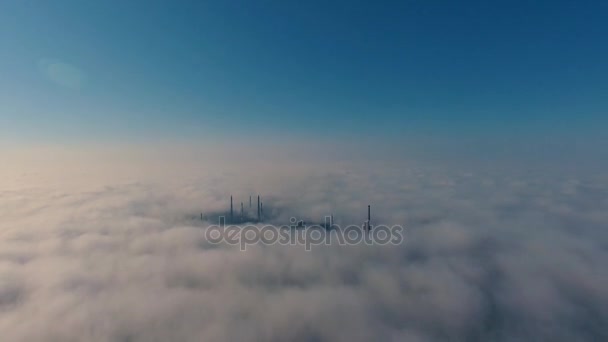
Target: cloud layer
x: 109, y: 253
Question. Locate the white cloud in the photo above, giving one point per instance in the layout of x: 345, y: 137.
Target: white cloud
x: 87, y: 254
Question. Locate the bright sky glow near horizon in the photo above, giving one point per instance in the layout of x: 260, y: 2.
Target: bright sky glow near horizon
x: 103, y: 71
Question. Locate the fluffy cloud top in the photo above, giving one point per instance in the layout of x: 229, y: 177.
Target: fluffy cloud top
x: 108, y: 251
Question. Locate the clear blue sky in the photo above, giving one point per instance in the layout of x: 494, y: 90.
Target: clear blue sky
x: 103, y: 70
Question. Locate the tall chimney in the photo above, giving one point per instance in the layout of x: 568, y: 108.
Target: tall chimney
x: 369, y: 218
x: 231, y: 215
x: 258, y: 207
x: 249, y: 201
x: 241, y: 210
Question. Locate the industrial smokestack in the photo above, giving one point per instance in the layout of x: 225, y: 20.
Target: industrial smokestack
x: 250, y: 202
x: 231, y: 214
x: 369, y: 217
x: 241, y: 210
x: 329, y: 221
x: 258, y: 207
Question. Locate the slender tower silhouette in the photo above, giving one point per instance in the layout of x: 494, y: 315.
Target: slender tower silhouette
x: 369, y: 217
x: 250, y: 202
x: 231, y: 214
x: 258, y: 207
x: 242, y: 211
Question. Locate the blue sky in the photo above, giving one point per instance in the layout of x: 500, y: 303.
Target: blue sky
x: 74, y: 71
